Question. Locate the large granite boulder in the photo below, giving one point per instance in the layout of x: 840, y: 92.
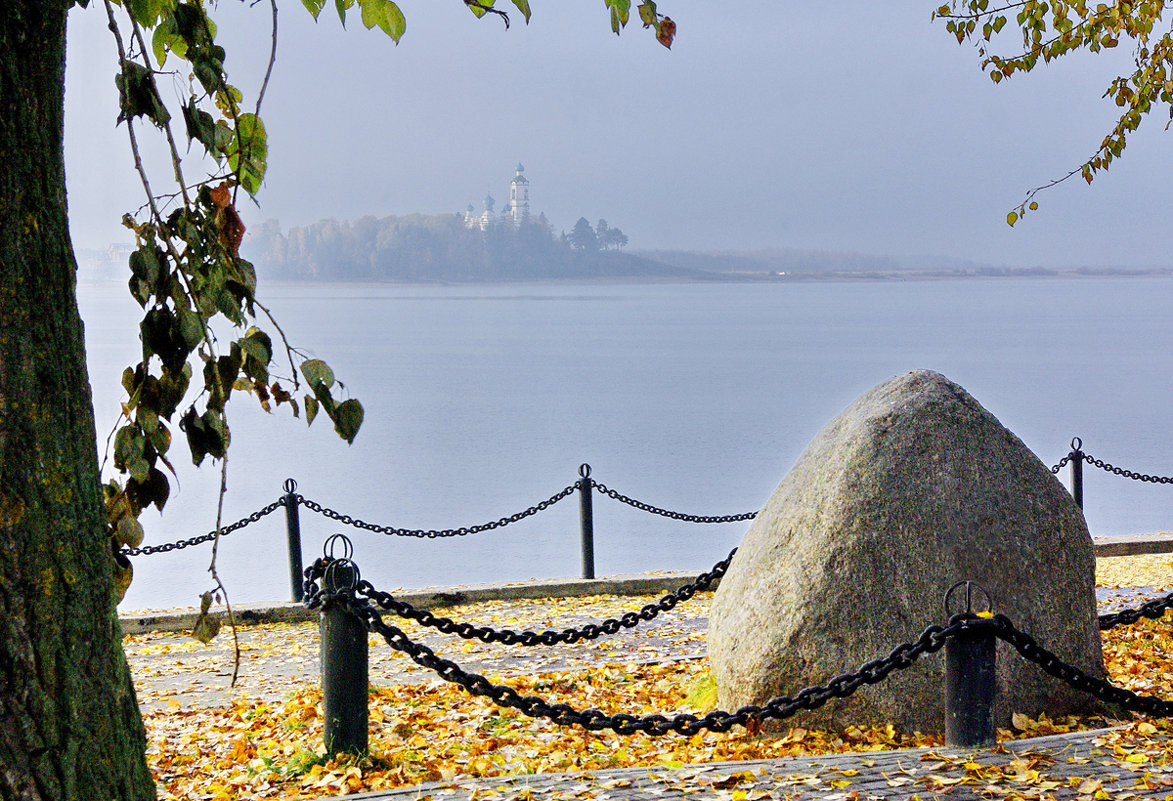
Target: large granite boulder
x: 912, y: 488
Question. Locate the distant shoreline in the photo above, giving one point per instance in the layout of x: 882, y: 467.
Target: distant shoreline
x: 89, y: 275
x: 942, y: 275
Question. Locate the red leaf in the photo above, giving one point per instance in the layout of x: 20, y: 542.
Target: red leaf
x: 666, y: 32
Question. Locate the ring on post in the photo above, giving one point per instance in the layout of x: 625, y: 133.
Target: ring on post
x: 290, y: 485
x: 338, y: 541
x: 341, y: 574
x: 969, y: 588
x: 1076, y: 444
x: 584, y: 470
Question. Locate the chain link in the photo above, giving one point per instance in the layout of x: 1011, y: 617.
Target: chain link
x: 589, y: 631
x: 1056, y: 468
x: 901, y: 657
x: 1120, y: 471
x: 1154, y: 609
x: 146, y: 550
x: 647, y: 507
x: 347, y: 520
x: 1030, y: 650
x: 391, y: 531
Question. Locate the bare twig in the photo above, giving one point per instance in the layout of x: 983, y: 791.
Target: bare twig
x: 289, y: 349
x: 138, y: 161
x: 176, y: 159
x: 212, y: 567
x: 272, y: 61
x: 987, y: 13
x: 106, y: 453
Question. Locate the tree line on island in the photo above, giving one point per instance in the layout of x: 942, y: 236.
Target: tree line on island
x: 443, y: 247
x: 451, y: 248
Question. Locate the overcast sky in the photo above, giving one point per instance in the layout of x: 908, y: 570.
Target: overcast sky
x: 856, y: 126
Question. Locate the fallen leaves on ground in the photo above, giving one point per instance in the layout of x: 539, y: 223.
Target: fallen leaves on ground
x: 436, y: 731
x: 261, y: 744
x: 1151, y: 570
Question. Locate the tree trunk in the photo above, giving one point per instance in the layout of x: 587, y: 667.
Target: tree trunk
x: 69, y: 722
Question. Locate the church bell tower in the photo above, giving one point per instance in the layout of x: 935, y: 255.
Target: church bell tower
x: 519, y: 197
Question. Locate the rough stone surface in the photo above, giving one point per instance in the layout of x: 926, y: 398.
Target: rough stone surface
x: 912, y: 488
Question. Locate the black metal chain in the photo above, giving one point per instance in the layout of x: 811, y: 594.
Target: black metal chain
x: 589, y: 631
x: 1074, y: 453
x: 1120, y: 471
x: 647, y: 507
x: 347, y: 520
x: 1063, y: 461
x: 901, y: 657
x: 1030, y: 650
x: 1153, y: 610
x: 146, y: 550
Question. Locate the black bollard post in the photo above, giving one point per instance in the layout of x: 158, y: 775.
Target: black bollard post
x: 293, y: 530
x: 587, y: 521
x: 1077, y: 471
x: 969, y: 689
x: 344, y: 668
x: 970, y: 682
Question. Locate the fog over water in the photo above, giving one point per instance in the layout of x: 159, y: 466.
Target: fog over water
x: 855, y: 129
x: 858, y: 127
x: 483, y: 400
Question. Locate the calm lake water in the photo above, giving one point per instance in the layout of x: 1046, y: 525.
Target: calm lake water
x: 482, y: 400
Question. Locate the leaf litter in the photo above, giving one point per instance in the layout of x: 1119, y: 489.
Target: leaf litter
x: 263, y: 739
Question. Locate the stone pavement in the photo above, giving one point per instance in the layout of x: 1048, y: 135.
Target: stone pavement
x: 172, y: 669
x: 1082, y: 765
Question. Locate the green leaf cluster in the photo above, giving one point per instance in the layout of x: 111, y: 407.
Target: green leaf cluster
x: 663, y: 27
x: 138, y: 96
x: 347, y: 416
x: 383, y: 14
x: 1049, y: 29
x: 185, y: 273
x: 248, y: 151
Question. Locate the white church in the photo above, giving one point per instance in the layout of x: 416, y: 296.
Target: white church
x: 514, y: 213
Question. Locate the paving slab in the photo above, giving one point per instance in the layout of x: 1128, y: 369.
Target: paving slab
x: 171, y: 667
x: 1065, y: 766
x: 183, y: 619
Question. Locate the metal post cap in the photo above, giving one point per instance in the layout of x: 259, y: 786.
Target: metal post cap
x: 335, y: 541
x: 969, y: 588
x: 290, y: 485
x: 341, y: 574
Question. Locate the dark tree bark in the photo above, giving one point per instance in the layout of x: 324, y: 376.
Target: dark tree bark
x: 69, y: 722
